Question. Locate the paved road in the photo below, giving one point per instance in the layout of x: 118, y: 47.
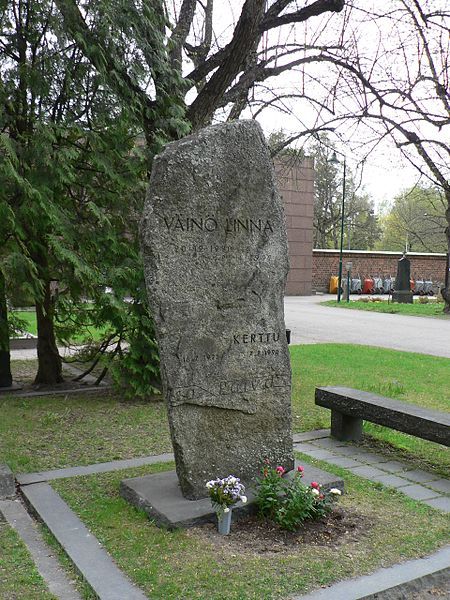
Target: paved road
x: 312, y: 323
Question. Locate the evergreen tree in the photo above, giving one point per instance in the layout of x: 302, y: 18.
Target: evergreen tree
x: 71, y: 181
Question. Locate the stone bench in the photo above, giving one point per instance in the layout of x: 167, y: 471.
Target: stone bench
x: 350, y: 407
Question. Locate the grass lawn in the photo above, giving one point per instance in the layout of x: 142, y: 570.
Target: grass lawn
x: 50, y: 432
x: 29, y: 317
x: 189, y: 564
x: 431, y: 309
x: 19, y: 577
x: 417, y: 378
x: 53, y: 432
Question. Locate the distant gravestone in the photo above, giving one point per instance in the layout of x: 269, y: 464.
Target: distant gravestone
x: 216, y: 261
x: 402, y: 291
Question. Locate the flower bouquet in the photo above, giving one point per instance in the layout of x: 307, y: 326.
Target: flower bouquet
x: 224, y: 493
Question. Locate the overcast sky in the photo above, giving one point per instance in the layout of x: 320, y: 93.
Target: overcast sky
x: 386, y: 173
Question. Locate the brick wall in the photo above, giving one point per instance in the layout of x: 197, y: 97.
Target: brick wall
x: 296, y: 186
x: 326, y: 263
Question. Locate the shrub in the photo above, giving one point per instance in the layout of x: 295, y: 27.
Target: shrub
x: 288, y: 501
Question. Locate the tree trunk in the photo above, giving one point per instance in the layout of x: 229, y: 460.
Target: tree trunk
x: 5, y: 358
x: 49, y: 361
x: 446, y: 289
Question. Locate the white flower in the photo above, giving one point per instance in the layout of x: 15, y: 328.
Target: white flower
x: 210, y: 484
x: 315, y: 492
x: 335, y: 491
x: 243, y: 499
x: 226, y: 509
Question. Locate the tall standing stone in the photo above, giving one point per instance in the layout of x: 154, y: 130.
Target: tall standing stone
x: 216, y: 261
x: 402, y: 292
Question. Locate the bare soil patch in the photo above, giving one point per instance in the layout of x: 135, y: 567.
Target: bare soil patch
x: 252, y: 535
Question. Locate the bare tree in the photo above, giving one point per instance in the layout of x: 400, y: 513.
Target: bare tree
x: 186, y: 67
x: 392, y: 72
x: 375, y: 71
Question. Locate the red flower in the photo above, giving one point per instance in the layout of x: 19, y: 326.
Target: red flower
x: 315, y: 485
x: 300, y: 469
x: 321, y: 497
x: 280, y: 470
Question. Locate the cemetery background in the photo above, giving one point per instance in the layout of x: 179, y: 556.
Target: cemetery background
x: 73, y: 491
x: 163, y: 119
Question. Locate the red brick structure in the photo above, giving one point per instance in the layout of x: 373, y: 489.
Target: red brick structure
x: 296, y: 186
x: 311, y: 269
x: 368, y: 263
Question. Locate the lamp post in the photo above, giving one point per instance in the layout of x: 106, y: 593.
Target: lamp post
x: 333, y: 160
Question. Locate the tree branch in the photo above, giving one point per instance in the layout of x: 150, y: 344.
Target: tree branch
x: 245, y: 35
x: 313, y: 10
x: 181, y: 31
x: 104, y: 61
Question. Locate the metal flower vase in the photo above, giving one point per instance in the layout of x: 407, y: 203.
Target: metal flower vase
x: 224, y: 522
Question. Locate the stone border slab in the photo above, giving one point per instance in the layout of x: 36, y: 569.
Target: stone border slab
x: 381, y: 469
x: 23, y: 343
x: 115, y: 465
x: 159, y: 495
x: 89, y: 379
x: 30, y: 478
x: 14, y: 387
x: 7, y: 484
x: 46, y: 563
x: 390, y: 582
x: 80, y: 545
x: 86, y: 390
x: 311, y: 435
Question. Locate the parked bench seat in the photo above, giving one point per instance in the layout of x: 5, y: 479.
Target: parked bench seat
x: 350, y: 407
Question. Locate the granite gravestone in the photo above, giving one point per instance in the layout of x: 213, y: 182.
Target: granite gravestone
x: 402, y: 292
x: 216, y: 261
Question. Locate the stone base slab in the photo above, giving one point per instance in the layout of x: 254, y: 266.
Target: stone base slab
x: 402, y: 297
x: 159, y: 495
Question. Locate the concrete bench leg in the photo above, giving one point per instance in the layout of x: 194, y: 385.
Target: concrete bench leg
x: 345, y: 428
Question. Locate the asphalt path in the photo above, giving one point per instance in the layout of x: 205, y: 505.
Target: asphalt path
x: 311, y: 323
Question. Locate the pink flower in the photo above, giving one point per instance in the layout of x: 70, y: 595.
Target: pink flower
x: 315, y: 485
x: 280, y: 470
x: 300, y: 469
